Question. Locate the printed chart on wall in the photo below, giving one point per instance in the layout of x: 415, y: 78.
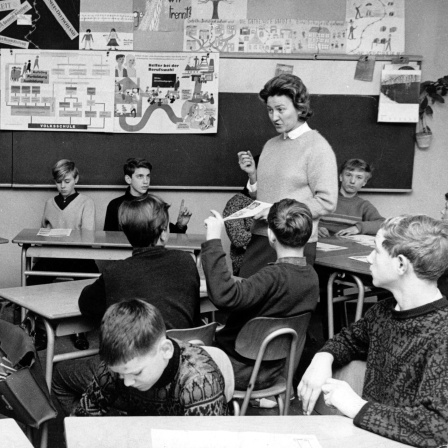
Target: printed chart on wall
x: 375, y: 27
x: 57, y: 91
x: 46, y: 24
x: 166, y: 93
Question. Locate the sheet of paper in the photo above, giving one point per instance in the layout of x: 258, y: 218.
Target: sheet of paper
x: 365, y: 240
x: 249, y: 211
x: 362, y: 258
x: 325, y: 247
x: 224, y: 439
x: 54, y: 232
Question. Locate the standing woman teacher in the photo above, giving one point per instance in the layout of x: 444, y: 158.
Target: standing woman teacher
x: 299, y: 164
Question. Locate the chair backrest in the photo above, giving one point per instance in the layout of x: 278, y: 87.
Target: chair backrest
x: 254, y: 332
x: 224, y: 364
x: 199, y: 335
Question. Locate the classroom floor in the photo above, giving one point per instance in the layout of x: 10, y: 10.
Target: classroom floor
x: 314, y: 342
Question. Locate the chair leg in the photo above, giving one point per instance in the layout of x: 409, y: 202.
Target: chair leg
x: 281, y: 404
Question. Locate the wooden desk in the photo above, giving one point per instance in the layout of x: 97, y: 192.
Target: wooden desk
x: 339, y: 262
x: 135, y: 432
x: 11, y: 436
x: 57, y: 304
x: 88, y: 244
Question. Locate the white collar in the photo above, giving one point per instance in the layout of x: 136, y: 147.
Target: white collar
x: 438, y: 296
x: 297, y: 132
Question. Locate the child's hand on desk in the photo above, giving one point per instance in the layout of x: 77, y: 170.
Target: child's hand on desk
x: 353, y: 230
x: 184, y: 215
x: 338, y: 394
x: 214, y: 225
x: 323, y: 232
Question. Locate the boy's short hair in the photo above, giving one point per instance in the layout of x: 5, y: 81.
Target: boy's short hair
x: 62, y: 168
x: 291, y: 221
x: 357, y: 164
x: 119, y: 56
x: 129, y: 329
x: 292, y: 87
x: 422, y: 240
x: 133, y: 163
x: 143, y: 220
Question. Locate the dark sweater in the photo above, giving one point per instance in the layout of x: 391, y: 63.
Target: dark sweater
x: 406, y: 382
x: 191, y: 384
x: 166, y: 278
x: 281, y: 289
x: 111, y: 220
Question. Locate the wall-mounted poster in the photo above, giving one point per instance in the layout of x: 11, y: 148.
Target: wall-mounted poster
x: 375, y: 27
x: 106, y: 25
x: 265, y: 36
x: 57, y: 90
x: 219, y: 9
x: 44, y: 24
x: 166, y: 93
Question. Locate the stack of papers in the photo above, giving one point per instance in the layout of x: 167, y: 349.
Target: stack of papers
x: 325, y: 247
x: 365, y: 240
x: 54, y: 232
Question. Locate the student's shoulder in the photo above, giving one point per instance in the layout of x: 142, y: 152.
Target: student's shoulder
x: 195, y: 361
x: 116, y: 202
x: 86, y: 199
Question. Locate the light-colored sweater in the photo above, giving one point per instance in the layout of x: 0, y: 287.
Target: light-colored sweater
x: 353, y: 211
x: 79, y: 214
x: 304, y: 169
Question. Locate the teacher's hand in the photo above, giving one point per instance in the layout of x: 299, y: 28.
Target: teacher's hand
x: 247, y: 162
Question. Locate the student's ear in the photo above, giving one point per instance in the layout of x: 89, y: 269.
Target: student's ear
x: 271, y: 237
x: 167, y: 349
x: 163, y: 238
x: 128, y: 179
x: 76, y: 179
x: 403, y: 264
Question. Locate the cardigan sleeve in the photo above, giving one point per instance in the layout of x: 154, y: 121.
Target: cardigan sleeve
x: 371, y: 219
x: 323, y: 178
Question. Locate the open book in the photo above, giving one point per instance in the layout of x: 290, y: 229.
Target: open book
x: 249, y: 211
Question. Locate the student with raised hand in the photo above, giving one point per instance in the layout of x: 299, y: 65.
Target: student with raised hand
x: 285, y: 288
x: 137, y: 174
x: 353, y: 215
x: 143, y: 372
x: 403, y: 339
x: 167, y: 279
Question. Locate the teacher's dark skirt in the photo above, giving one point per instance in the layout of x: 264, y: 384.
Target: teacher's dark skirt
x: 259, y: 253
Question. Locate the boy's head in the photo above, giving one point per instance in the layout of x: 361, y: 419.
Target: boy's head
x: 133, y: 343
x: 444, y: 211
x: 137, y: 174
x: 354, y: 174
x: 416, y: 239
x: 120, y: 58
x: 290, y: 222
x: 145, y: 221
x: 66, y: 176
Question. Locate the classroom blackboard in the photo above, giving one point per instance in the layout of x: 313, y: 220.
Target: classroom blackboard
x: 209, y: 161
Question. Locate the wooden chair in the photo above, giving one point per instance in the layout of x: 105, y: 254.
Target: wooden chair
x: 224, y: 364
x: 199, y: 335
x: 270, y: 339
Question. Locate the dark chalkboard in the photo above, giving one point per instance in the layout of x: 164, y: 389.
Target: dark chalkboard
x: 210, y: 161
x: 6, y: 158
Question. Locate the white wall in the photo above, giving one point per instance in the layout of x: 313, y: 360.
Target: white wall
x: 426, y: 34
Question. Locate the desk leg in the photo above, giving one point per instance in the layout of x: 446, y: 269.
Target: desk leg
x: 50, y: 353
x: 26, y: 264
x: 332, y: 300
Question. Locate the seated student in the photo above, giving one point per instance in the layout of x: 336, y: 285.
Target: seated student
x: 68, y: 210
x: 285, y: 288
x: 353, y: 215
x: 165, y: 278
x: 142, y: 372
x: 137, y: 174
x: 404, y: 340
x: 238, y: 230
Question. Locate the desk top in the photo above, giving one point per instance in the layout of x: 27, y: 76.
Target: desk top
x: 339, y: 259
x: 11, y: 435
x: 100, y: 238
x: 116, y: 432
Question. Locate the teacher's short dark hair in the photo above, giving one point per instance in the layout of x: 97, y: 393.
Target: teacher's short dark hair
x: 294, y: 88
x: 143, y: 220
x: 291, y: 221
